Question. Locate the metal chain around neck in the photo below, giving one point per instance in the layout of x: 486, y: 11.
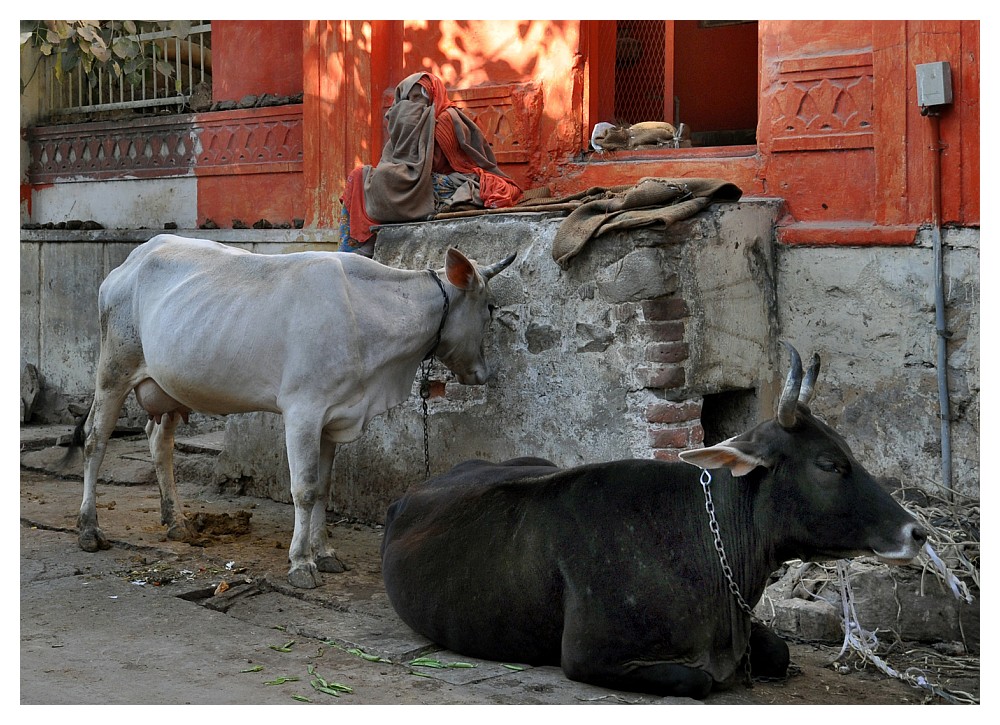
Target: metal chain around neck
x: 713, y: 525
x: 444, y: 315
x: 425, y: 372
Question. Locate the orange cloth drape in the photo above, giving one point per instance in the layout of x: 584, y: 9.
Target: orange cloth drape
x: 354, y: 200
x: 496, y: 191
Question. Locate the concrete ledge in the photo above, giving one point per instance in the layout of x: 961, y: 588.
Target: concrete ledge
x: 227, y: 236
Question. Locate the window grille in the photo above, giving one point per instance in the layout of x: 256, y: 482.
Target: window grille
x: 638, y: 47
x: 701, y: 74
x: 188, y: 54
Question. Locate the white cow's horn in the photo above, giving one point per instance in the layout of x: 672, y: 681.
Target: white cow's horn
x: 494, y: 269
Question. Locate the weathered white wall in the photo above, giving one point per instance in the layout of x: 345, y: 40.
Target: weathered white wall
x: 121, y: 203
x: 571, y: 348
x: 870, y: 313
x: 575, y: 353
x: 61, y: 272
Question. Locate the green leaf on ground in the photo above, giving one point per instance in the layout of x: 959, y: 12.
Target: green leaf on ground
x: 282, y: 680
x: 438, y: 664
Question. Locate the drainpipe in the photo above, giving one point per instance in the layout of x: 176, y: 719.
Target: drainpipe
x: 940, y: 322
x: 934, y: 92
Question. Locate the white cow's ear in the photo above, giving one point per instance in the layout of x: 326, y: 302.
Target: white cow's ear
x: 460, y: 271
x: 723, y: 455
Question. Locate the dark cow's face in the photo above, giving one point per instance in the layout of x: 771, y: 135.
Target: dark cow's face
x: 828, y: 505
x: 825, y: 504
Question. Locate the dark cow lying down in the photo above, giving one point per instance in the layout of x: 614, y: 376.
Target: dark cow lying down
x: 611, y: 570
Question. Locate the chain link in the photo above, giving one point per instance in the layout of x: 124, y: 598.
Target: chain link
x: 713, y: 525
x: 425, y: 372
x: 425, y: 393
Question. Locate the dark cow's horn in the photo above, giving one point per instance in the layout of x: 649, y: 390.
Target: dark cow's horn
x: 809, y: 383
x: 494, y: 269
x: 790, y: 394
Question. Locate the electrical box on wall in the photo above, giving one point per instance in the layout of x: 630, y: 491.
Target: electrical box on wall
x: 933, y: 84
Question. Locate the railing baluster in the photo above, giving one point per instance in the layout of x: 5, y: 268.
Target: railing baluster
x: 75, y: 94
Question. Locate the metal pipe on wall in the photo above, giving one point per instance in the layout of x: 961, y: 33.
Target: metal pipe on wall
x: 940, y: 310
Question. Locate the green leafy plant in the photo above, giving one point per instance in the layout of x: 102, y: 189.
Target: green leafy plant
x: 116, y: 46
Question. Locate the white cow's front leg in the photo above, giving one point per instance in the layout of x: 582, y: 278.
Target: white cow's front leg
x: 161, y: 447
x: 303, y: 443
x: 326, y: 557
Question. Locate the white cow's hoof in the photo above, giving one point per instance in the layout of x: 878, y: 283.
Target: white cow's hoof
x: 331, y: 564
x: 182, y: 530
x: 303, y: 577
x: 93, y: 540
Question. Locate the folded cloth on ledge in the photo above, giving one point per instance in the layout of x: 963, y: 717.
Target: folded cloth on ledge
x: 651, y: 202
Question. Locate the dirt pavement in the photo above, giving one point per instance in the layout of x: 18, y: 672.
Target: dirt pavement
x: 146, y: 622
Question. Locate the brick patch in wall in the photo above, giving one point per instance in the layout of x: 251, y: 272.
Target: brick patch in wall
x: 671, y: 331
x: 666, y: 352
x: 669, y: 437
x: 674, y: 426
x: 661, y: 376
x: 666, y: 411
x: 667, y: 443
x: 665, y: 308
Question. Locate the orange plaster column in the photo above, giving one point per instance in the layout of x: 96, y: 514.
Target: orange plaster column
x: 346, y: 68
x: 322, y: 113
x: 668, y: 72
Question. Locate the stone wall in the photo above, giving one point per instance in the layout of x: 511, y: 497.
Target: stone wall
x: 647, y: 343
x: 617, y: 356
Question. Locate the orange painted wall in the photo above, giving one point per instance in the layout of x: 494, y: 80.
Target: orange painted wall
x: 716, y: 88
x: 885, y: 181
x: 277, y: 198
x: 831, y: 183
x: 253, y: 57
x: 840, y: 137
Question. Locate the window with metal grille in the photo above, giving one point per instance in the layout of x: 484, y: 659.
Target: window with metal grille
x: 703, y: 73
x: 175, y: 64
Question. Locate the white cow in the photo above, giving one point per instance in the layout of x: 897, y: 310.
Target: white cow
x: 327, y: 339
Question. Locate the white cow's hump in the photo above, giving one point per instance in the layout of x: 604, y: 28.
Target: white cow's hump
x: 186, y: 254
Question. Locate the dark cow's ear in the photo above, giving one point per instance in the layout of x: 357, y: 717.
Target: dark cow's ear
x: 461, y: 272
x: 723, y: 455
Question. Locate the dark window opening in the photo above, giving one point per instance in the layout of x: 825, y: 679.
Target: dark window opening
x: 724, y: 415
x: 702, y: 73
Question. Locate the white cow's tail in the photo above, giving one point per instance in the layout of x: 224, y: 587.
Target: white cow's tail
x: 76, y: 440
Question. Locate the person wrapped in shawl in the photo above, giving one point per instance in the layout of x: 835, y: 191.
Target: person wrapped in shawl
x: 436, y: 159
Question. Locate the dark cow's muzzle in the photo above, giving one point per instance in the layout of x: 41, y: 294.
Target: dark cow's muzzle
x: 912, y: 538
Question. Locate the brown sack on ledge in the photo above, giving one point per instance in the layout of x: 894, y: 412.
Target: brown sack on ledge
x: 652, y: 202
